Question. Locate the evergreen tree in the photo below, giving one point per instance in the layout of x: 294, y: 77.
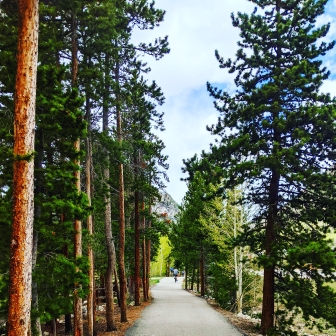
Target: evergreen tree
x: 277, y: 132
x: 23, y: 171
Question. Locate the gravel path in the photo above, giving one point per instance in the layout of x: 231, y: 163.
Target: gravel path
x: 175, y: 312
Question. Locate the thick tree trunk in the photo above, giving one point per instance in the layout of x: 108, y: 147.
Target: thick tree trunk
x: 123, y: 306
x: 136, y: 247
x: 267, y: 318
x: 144, y: 261
x: 20, y: 287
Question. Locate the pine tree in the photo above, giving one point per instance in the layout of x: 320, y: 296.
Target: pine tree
x: 277, y: 132
x: 23, y: 171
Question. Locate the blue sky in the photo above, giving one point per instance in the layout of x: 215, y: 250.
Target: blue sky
x: 196, y: 28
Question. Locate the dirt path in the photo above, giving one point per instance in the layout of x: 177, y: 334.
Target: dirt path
x: 177, y: 312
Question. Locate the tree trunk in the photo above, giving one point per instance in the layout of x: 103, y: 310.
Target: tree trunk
x: 144, y: 261
x: 117, y: 285
x: 20, y: 288
x: 123, y: 307
x: 186, y: 278
x: 90, y: 302
x: 110, y: 321
x: 267, y: 317
x: 136, y: 242
x: 78, y: 318
x: 202, y: 273
x: 67, y: 324
x: 192, y: 279
x: 148, y: 252
x: 54, y: 327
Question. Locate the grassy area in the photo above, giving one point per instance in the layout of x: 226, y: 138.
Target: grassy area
x: 154, y: 280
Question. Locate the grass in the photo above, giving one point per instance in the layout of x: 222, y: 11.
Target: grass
x: 154, y: 280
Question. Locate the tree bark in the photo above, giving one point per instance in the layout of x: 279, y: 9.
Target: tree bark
x: 90, y: 303
x: 110, y: 321
x: 136, y: 241
x: 267, y: 316
x: 117, y: 285
x: 186, y: 278
x: 144, y: 261
x: 148, y: 252
x: 20, y: 288
x: 202, y: 273
x: 123, y: 306
x: 78, y: 318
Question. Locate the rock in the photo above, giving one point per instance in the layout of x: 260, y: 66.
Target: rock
x: 166, y: 207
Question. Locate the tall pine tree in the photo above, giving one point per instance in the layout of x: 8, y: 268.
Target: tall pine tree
x: 277, y: 132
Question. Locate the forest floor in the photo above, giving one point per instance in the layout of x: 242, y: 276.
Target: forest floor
x: 133, y: 314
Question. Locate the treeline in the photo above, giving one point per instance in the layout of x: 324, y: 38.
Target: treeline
x: 273, y: 163
x: 97, y: 160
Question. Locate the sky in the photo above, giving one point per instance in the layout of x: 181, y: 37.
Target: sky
x: 196, y: 28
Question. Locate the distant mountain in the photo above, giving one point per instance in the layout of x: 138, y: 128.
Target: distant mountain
x: 166, y: 206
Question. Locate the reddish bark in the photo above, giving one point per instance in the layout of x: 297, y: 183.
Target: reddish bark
x: 23, y: 177
x: 78, y: 318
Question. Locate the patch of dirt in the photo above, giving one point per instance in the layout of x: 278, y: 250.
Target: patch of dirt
x: 133, y: 314
x: 246, y: 326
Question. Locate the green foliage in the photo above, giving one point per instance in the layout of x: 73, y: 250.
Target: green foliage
x: 277, y: 134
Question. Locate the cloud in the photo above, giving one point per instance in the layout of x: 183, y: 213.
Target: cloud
x: 196, y: 28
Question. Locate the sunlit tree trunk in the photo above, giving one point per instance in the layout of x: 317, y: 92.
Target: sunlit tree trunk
x: 20, y: 287
x: 78, y: 318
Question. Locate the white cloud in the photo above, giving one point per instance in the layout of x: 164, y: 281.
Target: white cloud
x: 196, y: 28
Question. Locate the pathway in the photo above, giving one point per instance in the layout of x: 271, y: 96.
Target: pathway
x: 175, y: 312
